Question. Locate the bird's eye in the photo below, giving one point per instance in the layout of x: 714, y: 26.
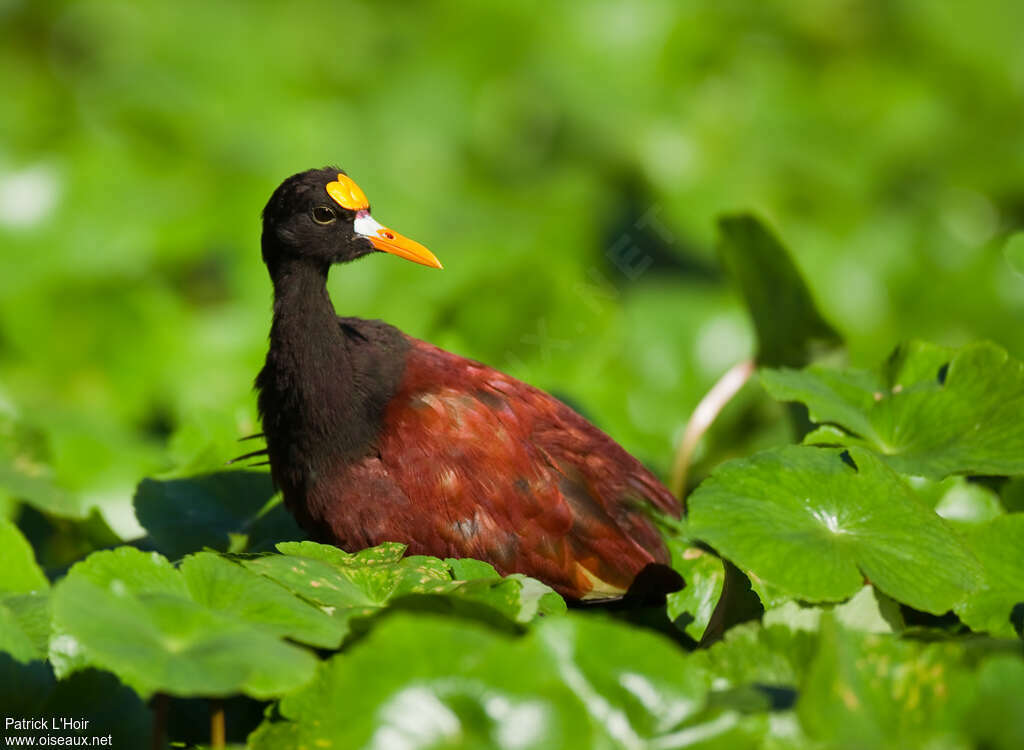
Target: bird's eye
x: 324, y: 215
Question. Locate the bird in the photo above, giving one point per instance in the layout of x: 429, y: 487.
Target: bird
x: 374, y: 436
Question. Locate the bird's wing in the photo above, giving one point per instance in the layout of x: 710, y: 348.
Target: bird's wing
x: 516, y: 477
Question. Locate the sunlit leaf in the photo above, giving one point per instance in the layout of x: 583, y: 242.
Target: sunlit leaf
x: 571, y: 682
x: 25, y: 625
x: 752, y: 653
x: 998, y: 608
x: 145, y: 628
x: 816, y: 522
x: 691, y: 607
x: 958, y: 499
x: 361, y: 584
x: 929, y: 411
x: 868, y: 611
x: 229, y: 588
x: 19, y: 572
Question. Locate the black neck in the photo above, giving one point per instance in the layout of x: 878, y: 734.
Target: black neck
x: 326, y: 381
x: 305, y: 329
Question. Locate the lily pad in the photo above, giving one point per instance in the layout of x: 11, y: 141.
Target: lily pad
x: 928, y: 411
x: 999, y: 607
x: 816, y: 522
x: 571, y: 682
x: 869, y: 611
x: 691, y: 607
x: 753, y: 653
x: 133, y: 614
x: 876, y: 691
x: 361, y: 584
x: 958, y: 499
x: 425, y: 681
x: 225, y: 586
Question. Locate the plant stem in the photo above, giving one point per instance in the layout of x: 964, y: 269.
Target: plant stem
x: 703, y: 417
x: 159, y: 721
x: 217, y: 733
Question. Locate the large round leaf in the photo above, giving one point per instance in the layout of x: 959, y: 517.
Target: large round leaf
x: 425, y: 682
x: 874, y: 691
x: 691, y: 607
x: 360, y: 584
x: 998, y: 608
x: 224, y: 586
x: 158, y: 642
x: 815, y: 522
x: 929, y: 411
x: 135, y: 615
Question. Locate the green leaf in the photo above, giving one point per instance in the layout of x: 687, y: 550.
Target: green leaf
x: 1013, y: 495
x: 224, y: 586
x: 959, y: 500
x: 361, y: 584
x: 754, y: 653
x: 19, y: 572
x: 875, y: 691
x: 132, y: 613
x: 626, y: 667
x: 26, y: 476
x: 13, y: 638
x: 814, y: 522
x: 228, y: 510
x: 790, y: 330
x: 691, y: 607
x: 571, y: 682
x: 998, y: 608
x: 132, y: 570
x: 426, y: 680
x: 997, y: 718
x: 382, y: 554
x: 25, y: 625
x: 869, y: 611
x: 465, y: 569
x: 929, y: 411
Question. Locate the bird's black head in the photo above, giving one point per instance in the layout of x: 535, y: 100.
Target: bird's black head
x: 321, y: 217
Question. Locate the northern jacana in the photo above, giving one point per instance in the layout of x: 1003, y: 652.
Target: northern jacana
x: 375, y: 436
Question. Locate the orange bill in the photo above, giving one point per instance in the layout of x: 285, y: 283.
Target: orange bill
x: 390, y: 241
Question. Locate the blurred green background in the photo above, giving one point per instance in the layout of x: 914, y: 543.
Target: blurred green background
x: 566, y: 162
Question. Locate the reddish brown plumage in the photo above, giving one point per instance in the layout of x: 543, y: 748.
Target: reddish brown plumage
x: 473, y: 463
x: 374, y: 436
